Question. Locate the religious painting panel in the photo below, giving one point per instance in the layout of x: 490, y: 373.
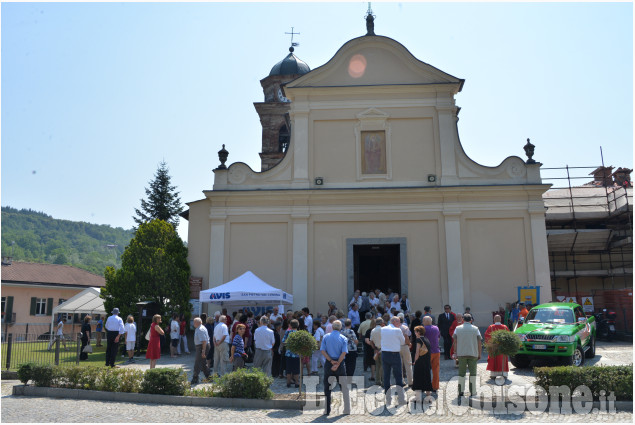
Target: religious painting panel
x: 373, y: 152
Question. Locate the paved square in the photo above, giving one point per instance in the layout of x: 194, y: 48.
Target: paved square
x: 42, y: 409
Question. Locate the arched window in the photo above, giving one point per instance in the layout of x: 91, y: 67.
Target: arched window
x: 283, y: 139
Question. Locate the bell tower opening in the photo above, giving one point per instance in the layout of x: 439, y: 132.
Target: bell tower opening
x: 283, y: 139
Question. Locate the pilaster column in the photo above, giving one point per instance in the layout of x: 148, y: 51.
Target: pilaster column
x: 300, y: 145
x: 447, y: 140
x: 300, y: 221
x: 454, y: 259
x: 540, y: 248
x: 217, y: 248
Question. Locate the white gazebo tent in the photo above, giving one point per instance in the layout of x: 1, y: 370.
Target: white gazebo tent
x: 87, y: 301
x: 246, y: 290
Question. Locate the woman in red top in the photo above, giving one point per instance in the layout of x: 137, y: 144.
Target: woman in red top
x: 457, y: 322
x: 247, y: 334
x: 154, y: 346
x: 182, y: 336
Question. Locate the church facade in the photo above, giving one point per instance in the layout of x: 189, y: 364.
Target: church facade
x: 365, y: 185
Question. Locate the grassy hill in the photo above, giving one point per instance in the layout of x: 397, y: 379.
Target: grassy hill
x: 39, y: 238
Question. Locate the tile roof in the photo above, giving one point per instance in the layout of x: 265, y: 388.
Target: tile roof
x: 49, y: 274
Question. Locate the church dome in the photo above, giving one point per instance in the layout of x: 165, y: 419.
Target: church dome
x: 290, y: 65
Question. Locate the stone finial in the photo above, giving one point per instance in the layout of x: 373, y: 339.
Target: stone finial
x: 222, y: 156
x: 529, y: 151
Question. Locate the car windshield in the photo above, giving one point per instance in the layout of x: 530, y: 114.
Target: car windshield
x: 550, y: 315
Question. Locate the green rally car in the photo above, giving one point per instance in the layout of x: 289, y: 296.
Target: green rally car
x: 559, y: 331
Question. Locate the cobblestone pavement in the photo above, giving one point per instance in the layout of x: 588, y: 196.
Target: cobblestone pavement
x: 59, y: 410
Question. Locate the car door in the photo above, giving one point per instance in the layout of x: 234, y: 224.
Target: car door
x: 582, y: 326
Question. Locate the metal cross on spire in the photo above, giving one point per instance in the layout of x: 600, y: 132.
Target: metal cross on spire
x: 292, y: 43
x: 370, y: 21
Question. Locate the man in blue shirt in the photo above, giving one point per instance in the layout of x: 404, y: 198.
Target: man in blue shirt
x: 354, y: 316
x: 515, y: 314
x: 98, y: 331
x: 334, y: 348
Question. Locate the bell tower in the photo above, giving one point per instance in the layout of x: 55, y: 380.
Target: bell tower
x: 274, y: 111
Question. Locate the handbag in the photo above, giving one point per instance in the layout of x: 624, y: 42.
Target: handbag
x: 423, y: 350
x: 88, y: 349
x: 249, y: 355
x: 148, y: 335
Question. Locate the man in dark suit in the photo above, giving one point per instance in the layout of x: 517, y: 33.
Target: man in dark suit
x: 444, y: 322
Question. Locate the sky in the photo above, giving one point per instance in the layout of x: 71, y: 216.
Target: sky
x: 95, y: 95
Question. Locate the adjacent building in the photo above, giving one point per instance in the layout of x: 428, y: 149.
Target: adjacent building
x: 30, y: 291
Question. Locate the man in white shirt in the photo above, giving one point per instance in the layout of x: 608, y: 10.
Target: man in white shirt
x: 221, y: 349
x: 201, y: 342
x: 131, y: 337
x: 175, y: 335
x: 355, y: 300
x: 391, y: 341
x: 114, y: 330
x: 394, y: 303
x: 373, y: 300
x: 59, y: 335
x: 308, y: 320
x: 275, y: 316
x: 264, y: 340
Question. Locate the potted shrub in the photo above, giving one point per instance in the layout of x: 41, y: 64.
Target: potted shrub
x: 303, y: 344
x: 503, y: 342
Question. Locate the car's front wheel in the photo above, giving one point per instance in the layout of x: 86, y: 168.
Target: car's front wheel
x: 520, y: 361
x: 576, y: 359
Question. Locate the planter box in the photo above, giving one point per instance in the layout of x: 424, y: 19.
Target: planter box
x: 239, y: 403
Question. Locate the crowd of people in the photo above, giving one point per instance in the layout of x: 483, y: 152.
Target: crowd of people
x: 395, y: 342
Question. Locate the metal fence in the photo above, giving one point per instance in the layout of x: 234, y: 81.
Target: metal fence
x: 22, y: 329
x: 37, y: 348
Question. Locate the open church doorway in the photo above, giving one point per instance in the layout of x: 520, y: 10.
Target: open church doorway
x: 377, y: 266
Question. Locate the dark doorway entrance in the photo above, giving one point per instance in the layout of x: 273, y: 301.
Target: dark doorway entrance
x: 377, y: 266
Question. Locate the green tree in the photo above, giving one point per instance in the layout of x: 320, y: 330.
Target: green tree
x: 154, y: 267
x: 163, y: 202
x: 60, y: 258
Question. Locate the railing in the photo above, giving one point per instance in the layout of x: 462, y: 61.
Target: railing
x: 21, y: 330
x: 22, y: 348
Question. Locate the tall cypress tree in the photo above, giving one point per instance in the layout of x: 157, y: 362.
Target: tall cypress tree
x: 163, y: 202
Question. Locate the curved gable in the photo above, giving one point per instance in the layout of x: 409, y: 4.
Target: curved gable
x: 373, y: 61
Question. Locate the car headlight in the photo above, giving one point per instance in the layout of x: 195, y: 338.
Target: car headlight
x: 522, y: 337
x: 564, y: 338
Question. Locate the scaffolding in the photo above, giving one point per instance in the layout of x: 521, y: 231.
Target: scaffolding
x: 589, y: 229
